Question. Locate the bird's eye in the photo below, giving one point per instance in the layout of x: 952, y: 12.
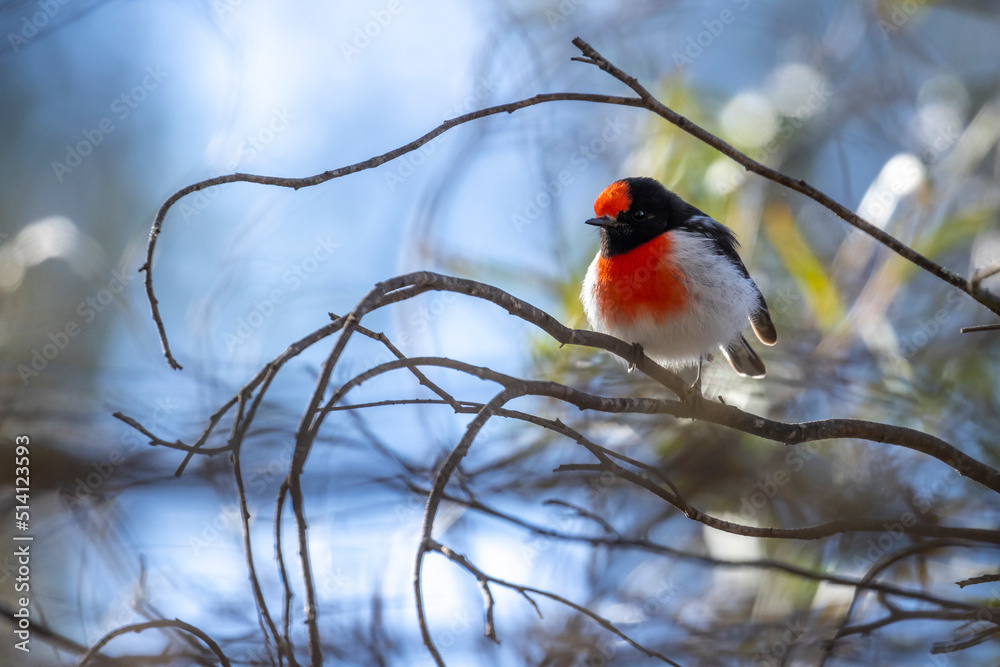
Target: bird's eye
x: 638, y: 216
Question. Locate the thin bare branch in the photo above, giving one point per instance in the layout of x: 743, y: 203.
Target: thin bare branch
x: 421, y: 378
x: 162, y: 623
x: 981, y: 579
x: 878, y: 567
x: 157, y: 441
x: 263, y: 377
x: 976, y: 281
x: 980, y: 327
x: 286, y: 612
x: 717, y: 413
x: 645, y: 100
x: 591, y: 56
x: 308, y: 181
x: 311, y: 620
x: 434, y: 500
x: 960, y: 645
x: 897, y: 616
x: 269, y: 629
x: 485, y: 579
x: 585, y: 513
x: 643, y: 544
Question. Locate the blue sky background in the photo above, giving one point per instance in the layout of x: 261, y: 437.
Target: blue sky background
x: 161, y: 95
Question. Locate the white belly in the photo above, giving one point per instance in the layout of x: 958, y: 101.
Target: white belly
x: 720, y: 300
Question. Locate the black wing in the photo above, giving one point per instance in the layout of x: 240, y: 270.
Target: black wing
x: 727, y: 244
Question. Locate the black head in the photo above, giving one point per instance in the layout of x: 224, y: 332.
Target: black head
x: 632, y: 211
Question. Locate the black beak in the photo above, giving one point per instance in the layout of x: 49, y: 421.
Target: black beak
x: 603, y: 221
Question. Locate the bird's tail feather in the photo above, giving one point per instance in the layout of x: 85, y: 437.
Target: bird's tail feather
x: 743, y: 359
x: 763, y: 326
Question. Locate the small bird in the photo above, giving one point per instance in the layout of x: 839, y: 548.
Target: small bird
x: 668, y: 278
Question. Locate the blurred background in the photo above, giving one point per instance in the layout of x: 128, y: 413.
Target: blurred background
x: 892, y: 108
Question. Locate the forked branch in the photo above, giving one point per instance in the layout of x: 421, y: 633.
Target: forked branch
x: 644, y: 100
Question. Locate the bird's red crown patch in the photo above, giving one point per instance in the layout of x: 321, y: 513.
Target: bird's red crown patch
x: 615, y: 199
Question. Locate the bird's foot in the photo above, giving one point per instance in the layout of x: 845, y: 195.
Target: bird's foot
x: 635, y: 356
x: 696, y: 385
x: 695, y: 394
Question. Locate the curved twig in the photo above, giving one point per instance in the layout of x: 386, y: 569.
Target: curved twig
x: 649, y: 546
x: 980, y: 327
x: 586, y: 401
x: 434, y: 500
x: 268, y: 628
x: 403, y: 287
x: 645, y: 100
x: 898, y: 615
x: 882, y: 564
x: 485, y: 579
x: 286, y: 611
x: 716, y: 413
x: 307, y: 181
x: 163, y: 623
x: 981, y: 579
x: 723, y: 415
x: 592, y: 57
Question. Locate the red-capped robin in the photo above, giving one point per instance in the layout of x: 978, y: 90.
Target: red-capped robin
x: 668, y: 278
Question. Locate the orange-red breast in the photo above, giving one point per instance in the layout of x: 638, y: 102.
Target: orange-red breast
x: 668, y: 278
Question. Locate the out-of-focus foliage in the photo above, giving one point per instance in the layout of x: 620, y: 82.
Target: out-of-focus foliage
x: 889, y: 107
